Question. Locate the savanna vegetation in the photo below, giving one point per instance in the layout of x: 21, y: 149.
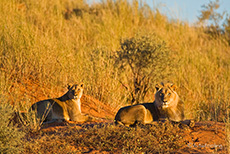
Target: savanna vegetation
x: 119, y: 49
x: 162, y: 138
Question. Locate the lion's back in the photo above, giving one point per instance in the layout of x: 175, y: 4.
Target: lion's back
x: 143, y: 113
x: 153, y: 110
x: 50, y: 109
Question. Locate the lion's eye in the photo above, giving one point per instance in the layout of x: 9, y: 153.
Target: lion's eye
x: 169, y: 94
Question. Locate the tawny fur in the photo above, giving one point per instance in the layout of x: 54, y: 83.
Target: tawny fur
x: 66, y: 107
x: 167, y: 105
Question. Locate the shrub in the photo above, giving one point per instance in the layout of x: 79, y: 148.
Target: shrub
x: 147, y: 59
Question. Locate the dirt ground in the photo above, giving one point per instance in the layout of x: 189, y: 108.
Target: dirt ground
x: 204, y: 137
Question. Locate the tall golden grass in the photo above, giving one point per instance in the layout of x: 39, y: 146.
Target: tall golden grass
x: 49, y: 43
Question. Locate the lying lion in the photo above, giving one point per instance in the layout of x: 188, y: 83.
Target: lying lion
x: 167, y: 105
x: 66, y: 107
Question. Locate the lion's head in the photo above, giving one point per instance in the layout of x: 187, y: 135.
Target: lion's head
x: 75, y: 91
x: 166, y: 96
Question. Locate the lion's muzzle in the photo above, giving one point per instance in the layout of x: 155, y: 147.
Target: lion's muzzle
x: 165, y: 104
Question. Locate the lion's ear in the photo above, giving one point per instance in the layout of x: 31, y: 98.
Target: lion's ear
x: 69, y: 86
x: 158, y: 86
x: 173, y: 87
x: 81, y: 85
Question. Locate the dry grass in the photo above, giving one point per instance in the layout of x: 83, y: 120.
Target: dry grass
x: 52, y: 43
x: 45, y: 45
x: 11, y: 137
x: 151, y: 139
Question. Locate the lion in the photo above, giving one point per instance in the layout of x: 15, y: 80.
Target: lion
x: 64, y: 108
x: 167, y: 105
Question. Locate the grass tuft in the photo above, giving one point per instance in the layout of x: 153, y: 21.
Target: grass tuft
x: 11, y: 137
x: 163, y: 137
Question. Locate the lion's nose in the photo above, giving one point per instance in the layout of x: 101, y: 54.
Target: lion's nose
x: 162, y: 97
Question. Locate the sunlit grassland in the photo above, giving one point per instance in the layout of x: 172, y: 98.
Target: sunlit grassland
x: 48, y: 44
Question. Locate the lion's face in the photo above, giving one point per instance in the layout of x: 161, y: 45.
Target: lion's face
x: 75, y: 91
x: 165, y: 96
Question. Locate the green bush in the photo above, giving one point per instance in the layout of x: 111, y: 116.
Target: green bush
x: 147, y: 59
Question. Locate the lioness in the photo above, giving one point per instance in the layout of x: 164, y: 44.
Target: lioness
x: 167, y: 105
x: 66, y: 107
